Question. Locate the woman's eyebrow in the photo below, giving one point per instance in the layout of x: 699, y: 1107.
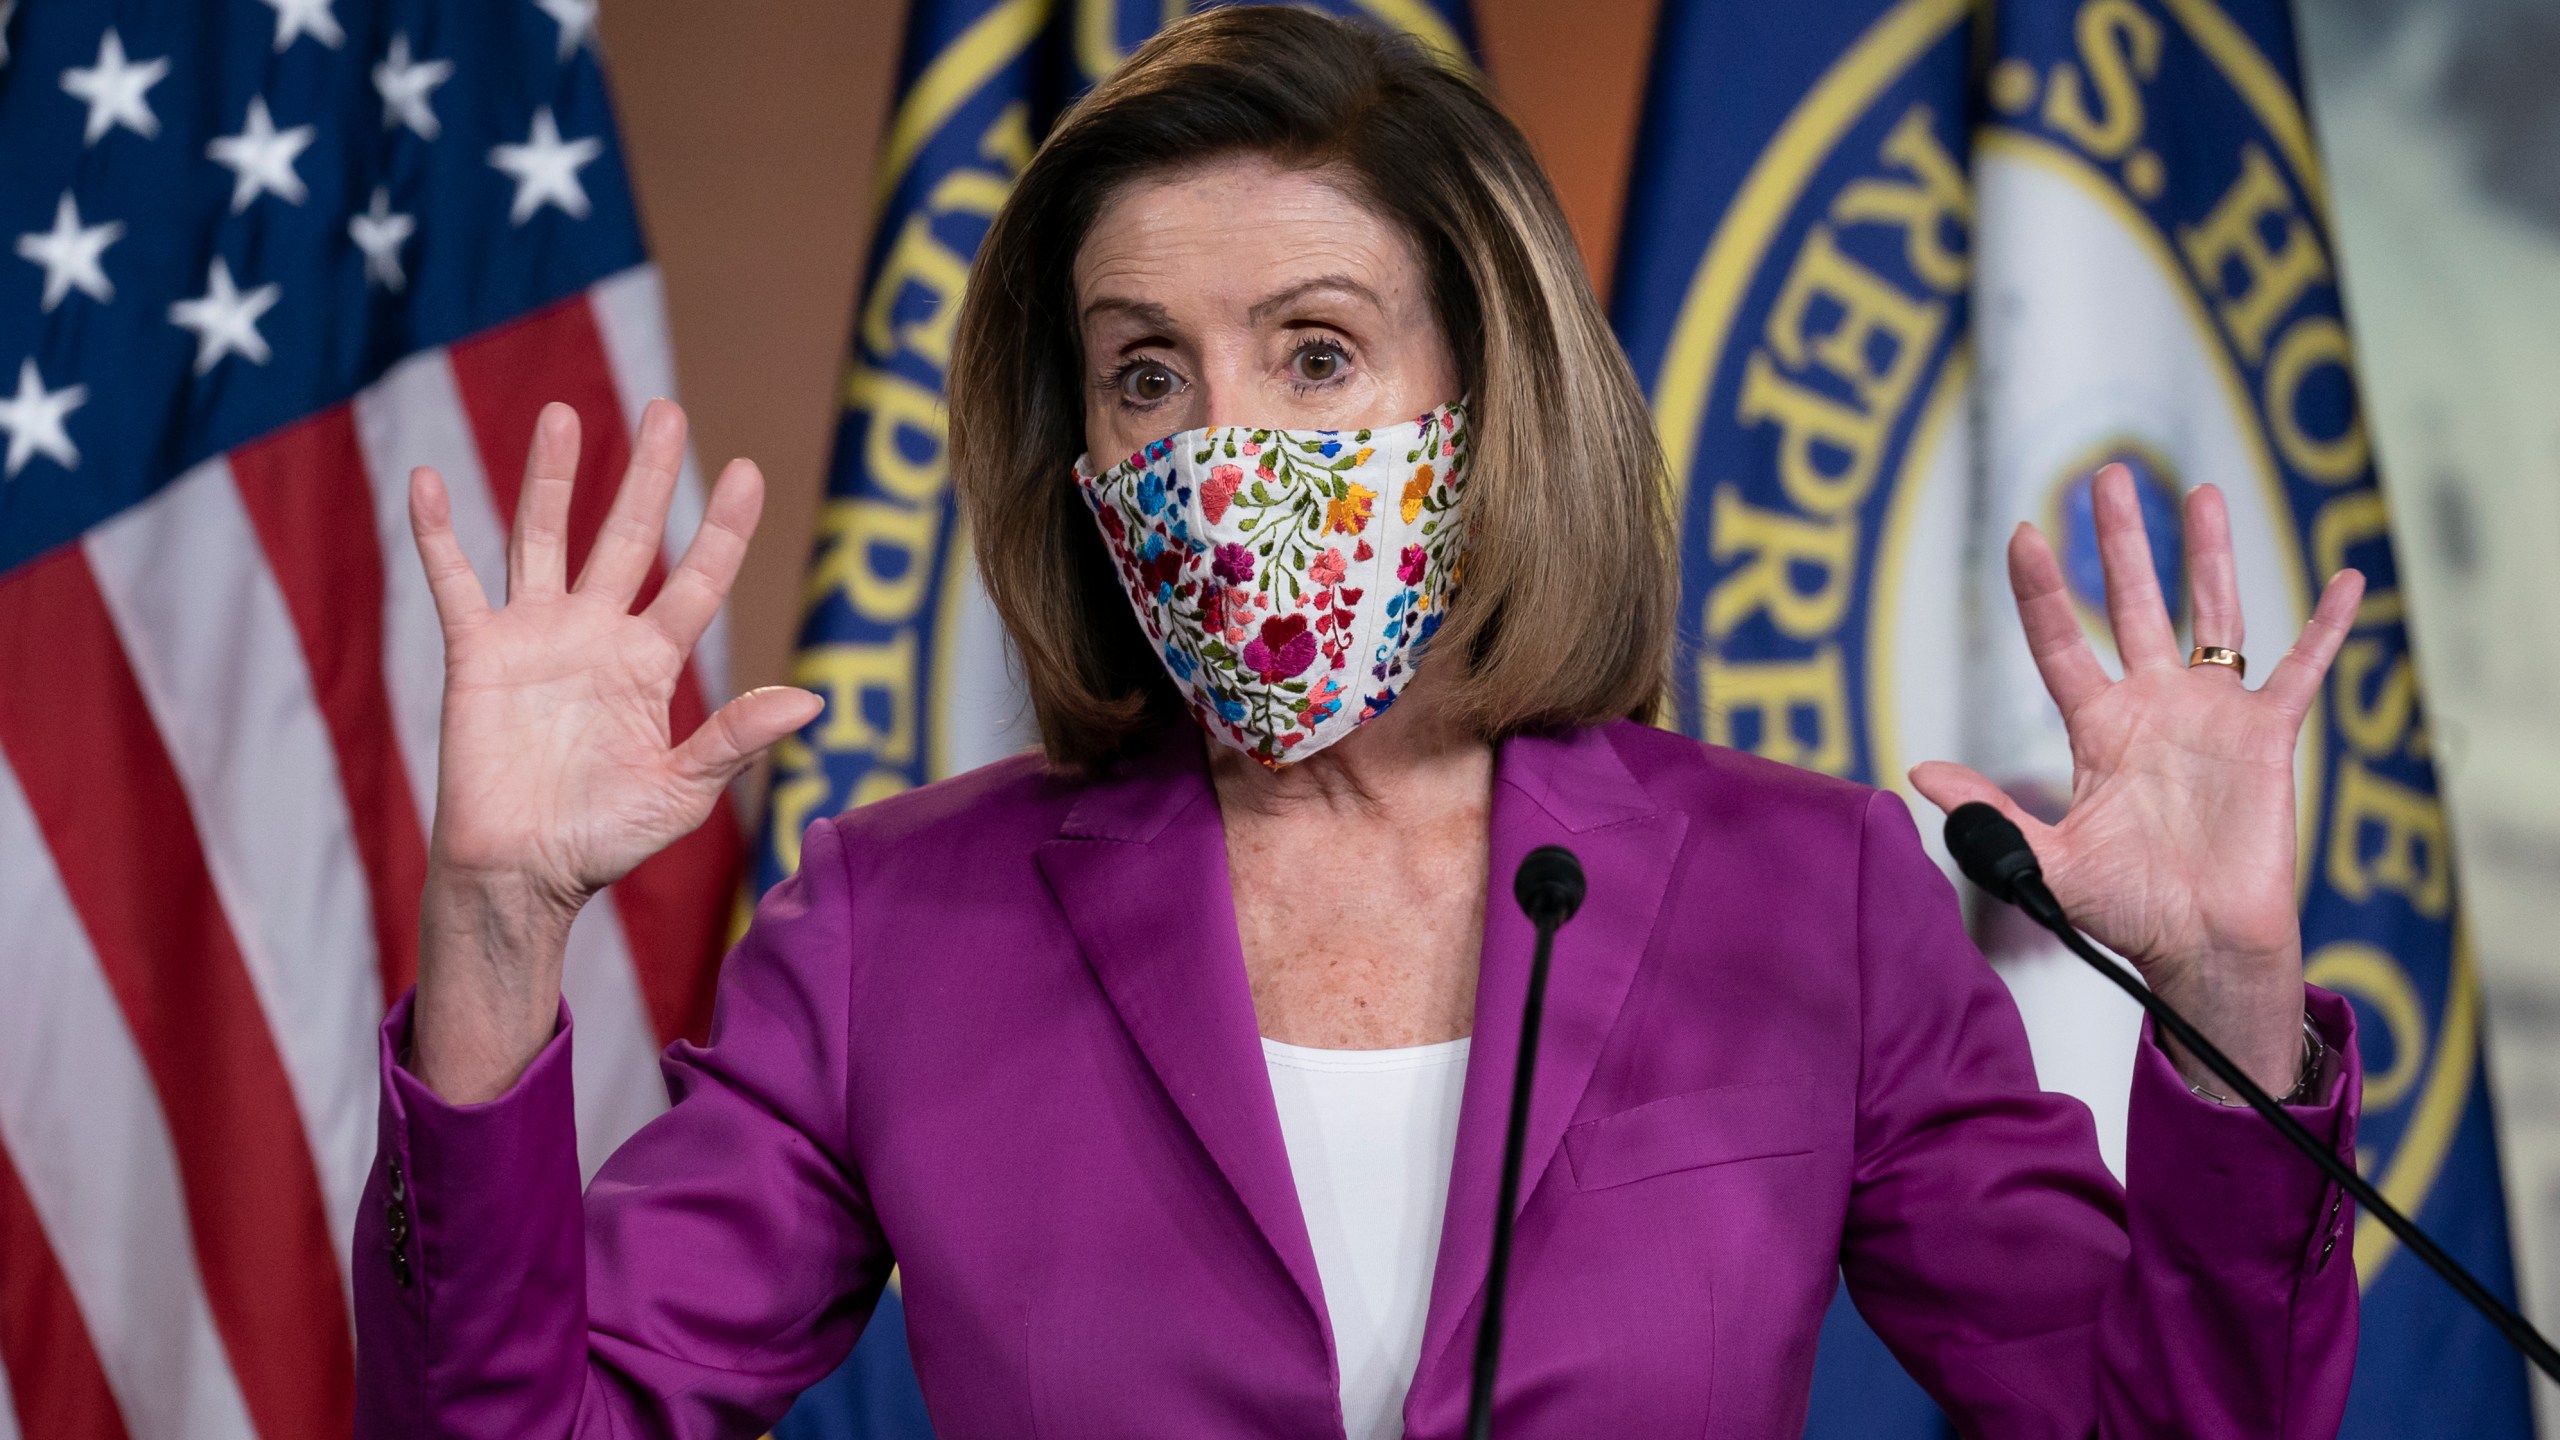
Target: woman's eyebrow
x: 1282, y: 298
x: 1146, y: 312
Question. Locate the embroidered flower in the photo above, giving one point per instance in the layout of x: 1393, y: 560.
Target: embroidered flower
x: 1177, y: 662
x: 1416, y: 490
x: 1349, y: 515
x: 1284, y: 648
x: 1162, y: 571
x: 1364, y: 552
x: 1322, y: 705
x: 1150, y: 493
x: 1219, y: 490
x: 1328, y: 568
x: 1233, y: 565
x: 1423, y: 632
x: 1409, y: 565
x: 1253, y: 447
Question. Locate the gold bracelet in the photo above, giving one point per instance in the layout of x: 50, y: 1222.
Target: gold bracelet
x: 2314, y: 1050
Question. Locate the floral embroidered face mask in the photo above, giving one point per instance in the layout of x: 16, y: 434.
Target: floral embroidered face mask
x: 1289, y: 579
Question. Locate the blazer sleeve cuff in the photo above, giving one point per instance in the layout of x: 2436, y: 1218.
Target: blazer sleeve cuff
x: 471, y: 1222
x: 2219, y: 1184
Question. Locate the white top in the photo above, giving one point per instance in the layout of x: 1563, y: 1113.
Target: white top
x: 1370, y: 1134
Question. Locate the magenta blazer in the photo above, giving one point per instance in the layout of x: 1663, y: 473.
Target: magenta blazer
x: 996, y: 1033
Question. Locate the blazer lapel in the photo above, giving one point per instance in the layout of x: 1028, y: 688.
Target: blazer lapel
x: 1140, y: 868
x: 1570, y: 790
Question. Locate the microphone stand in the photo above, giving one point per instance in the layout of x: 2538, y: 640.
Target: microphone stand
x: 2021, y: 883
x: 1549, y: 886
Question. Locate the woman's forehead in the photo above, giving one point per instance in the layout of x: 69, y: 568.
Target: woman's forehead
x: 1247, y: 233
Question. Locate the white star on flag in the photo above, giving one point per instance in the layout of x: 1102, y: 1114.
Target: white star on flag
x: 261, y: 157
x: 577, y: 22
x: 33, y: 418
x: 114, y: 90
x: 406, y: 85
x: 69, y: 254
x: 379, y: 233
x: 224, y: 319
x: 306, y: 17
x: 545, y: 169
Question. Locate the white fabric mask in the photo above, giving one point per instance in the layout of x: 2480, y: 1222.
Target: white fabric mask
x: 1289, y: 579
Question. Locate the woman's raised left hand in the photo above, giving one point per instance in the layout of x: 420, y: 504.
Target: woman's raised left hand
x: 2178, y: 848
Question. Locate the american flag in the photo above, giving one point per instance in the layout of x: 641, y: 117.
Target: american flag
x: 265, y: 256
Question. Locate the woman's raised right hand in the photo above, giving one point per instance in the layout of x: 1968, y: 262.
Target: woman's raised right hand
x: 556, y: 772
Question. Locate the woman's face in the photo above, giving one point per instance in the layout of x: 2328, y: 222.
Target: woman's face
x: 1242, y: 293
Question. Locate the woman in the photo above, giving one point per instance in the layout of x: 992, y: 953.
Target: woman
x: 1146, y: 1060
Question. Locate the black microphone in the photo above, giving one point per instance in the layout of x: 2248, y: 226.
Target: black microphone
x: 1549, y: 887
x: 1993, y: 854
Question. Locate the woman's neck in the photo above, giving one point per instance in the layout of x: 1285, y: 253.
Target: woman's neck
x: 1358, y: 876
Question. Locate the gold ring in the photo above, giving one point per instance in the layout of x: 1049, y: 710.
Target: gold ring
x: 2220, y: 655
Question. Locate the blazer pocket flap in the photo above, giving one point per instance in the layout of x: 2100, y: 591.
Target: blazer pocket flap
x: 1683, y: 1132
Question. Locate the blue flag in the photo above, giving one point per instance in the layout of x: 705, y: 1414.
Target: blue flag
x: 1895, y: 283
x: 895, y: 633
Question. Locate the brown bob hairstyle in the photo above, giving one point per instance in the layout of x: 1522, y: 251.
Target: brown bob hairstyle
x: 1564, y: 614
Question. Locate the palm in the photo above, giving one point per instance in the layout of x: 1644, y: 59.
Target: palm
x: 555, y: 725
x: 2179, y: 840
x: 557, y: 765
x: 2178, y: 847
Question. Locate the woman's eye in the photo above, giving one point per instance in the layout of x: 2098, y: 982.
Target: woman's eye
x: 1318, y: 362
x: 1146, y: 383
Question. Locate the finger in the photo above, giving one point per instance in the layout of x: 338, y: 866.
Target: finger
x: 2070, y: 668
x: 456, y: 590
x: 2135, y: 610
x: 700, y: 582
x: 628, y: 542
x: 2213, y: 575
x: 538, y: 551
x: 2295, y: 682
x: 1947, y: 785
x: 740, y: 730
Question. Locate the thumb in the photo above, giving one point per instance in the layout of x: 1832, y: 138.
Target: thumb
x: 1948, y: 785
x: 739, y: 731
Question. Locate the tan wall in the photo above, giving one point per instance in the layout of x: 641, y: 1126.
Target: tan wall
x: 751, y: 130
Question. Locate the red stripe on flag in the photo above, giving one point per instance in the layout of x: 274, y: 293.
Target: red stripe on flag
x: 309, y: 495
x: 675, y: 907
x: 59, y: 1388
x: 109, y: 801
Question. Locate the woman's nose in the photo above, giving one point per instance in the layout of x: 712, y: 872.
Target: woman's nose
x: 1244, y: 392
x: 1226, y: 396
